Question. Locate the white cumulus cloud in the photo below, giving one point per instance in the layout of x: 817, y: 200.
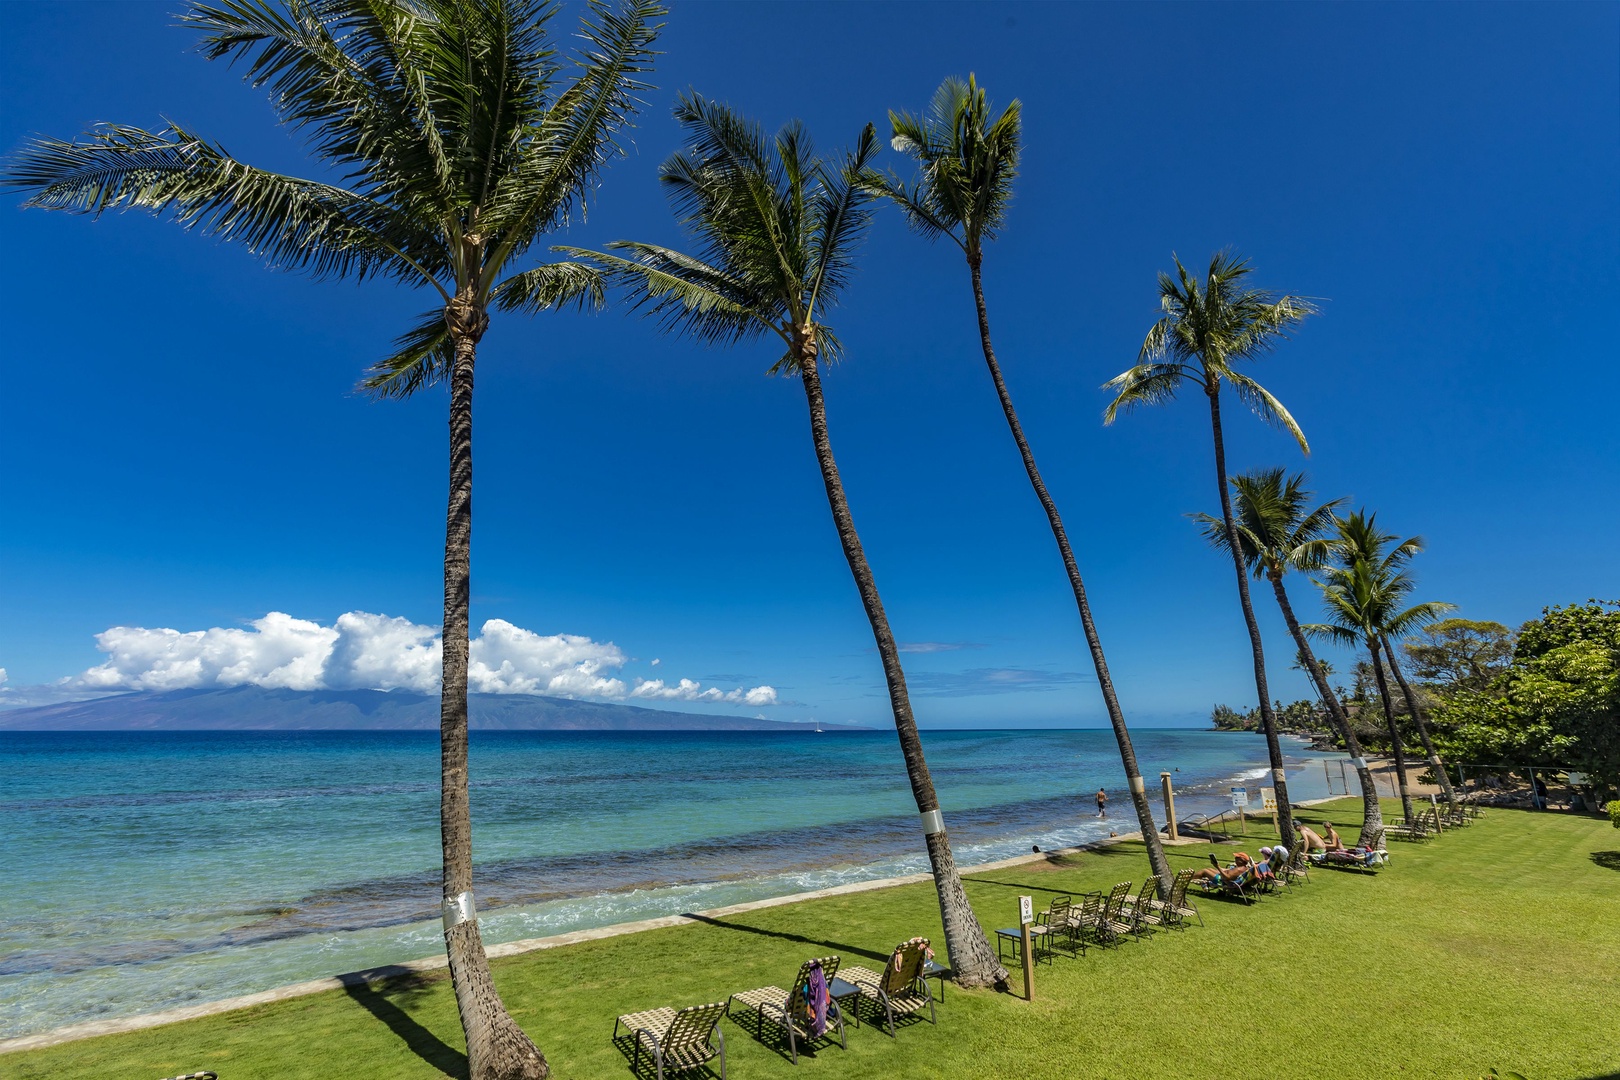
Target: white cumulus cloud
x: 687, y: 690
x: 361, y: 650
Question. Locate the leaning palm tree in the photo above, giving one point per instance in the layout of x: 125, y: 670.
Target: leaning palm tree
x: 1362, y: 598
x: 967, y: 160
x: 776, y: 228
x: 1207, y: 329
x: 1360, y: 537
x: 1278, y: 532
x: 458, y: 142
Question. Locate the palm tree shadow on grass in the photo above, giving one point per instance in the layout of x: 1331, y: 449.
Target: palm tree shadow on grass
x: 1609, y: 860
x: 379, y: 1001
x: 745, y: 928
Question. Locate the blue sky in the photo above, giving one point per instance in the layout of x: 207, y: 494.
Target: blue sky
x: 183, y: 447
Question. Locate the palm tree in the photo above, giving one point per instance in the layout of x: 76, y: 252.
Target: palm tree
x: 1279, y: 532
x: 968, y: 160
x: 1362, y: 597
x: 776, y: 228
x: 1360, y: 537
x: 1207, y: 329
x: 458, y: 142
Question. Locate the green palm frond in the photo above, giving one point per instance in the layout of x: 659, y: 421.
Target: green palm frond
x: 1261, y: 402
x: 550, y: 287
x: 684, y: 294
x: 839, y: 215
x: 422, y: 357
x: 576, y: 137
x: 1145, y: 384
x: 1281, y: 531
x: 291, y: 223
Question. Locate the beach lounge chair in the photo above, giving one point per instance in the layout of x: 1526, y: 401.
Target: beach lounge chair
x: 1174, y: 910
x: 1296, y: 871
x: 1087, y: 919
x: 786, y: 1009
x: 677, y: 1041
x: 1241, y: 886
x: 1141, y: 912
x: 1047, y: 927
x: 900, y: 989
x: 1112, y: 926
x: 1415, y: 829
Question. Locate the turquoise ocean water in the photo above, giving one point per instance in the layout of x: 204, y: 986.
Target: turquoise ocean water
x: 149, y: 870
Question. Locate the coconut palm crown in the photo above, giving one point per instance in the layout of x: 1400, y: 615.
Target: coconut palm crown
x: 967, y: 160
x: 1361, y: 538
x: 1279, y: 531
x: 455, y: 136
x: 776, y: 228
x: 1206, y: 329
x: 1362, y: 598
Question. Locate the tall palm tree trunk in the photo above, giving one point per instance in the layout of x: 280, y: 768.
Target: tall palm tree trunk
x: 1435, y: 764
x: 973, y: 962
x: 1372, y: 814
x: 1394, y: 732
x: 1116, y: 716
x: 497, y: 1049
x: 1285, y: 815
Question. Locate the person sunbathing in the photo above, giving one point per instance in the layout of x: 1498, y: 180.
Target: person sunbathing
x: 1311, y: 838
x: 1272, y: 859
x: 1332, y: 838
x: 1241, y: 865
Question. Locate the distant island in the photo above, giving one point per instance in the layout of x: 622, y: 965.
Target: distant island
x: 252, y: 708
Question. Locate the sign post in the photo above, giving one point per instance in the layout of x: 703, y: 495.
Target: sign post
x: 1240, y: 799
x: 1026, y: 915
x: 1268, y: 801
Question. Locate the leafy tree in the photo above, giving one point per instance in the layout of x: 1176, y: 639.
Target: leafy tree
x: 1460, y: 654
x: 1279, y: 531
x: 1558, y: 702
x: 967, y: 158
x: 1208, y: 328
x: 776, y: 228
x: 461, y: 139
x: 1362, y: 597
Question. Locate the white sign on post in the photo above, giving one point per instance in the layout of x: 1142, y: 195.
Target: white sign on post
x: 1268, y: 798
x: 1026, y: 910
x: 1240, y: 797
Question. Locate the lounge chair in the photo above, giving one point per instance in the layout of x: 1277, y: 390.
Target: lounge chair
x: 1296, y: 870
x: 786, y: 1009
x: 1415, y: 829
x: 1141, y: 912
x: 1112, y: 926
x: 1367, y: 860
x: 1174, y: 910
x: 1087, y: 920
x: 901, y: 989
x: 677, y: 1040
x: 1241, y: 886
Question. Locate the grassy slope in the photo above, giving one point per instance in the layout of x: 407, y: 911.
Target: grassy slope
x: 1495, y: 946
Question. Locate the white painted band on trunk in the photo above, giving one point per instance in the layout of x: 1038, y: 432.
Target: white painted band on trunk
x: 1358, y: 763
x: 1277, y: 775
x: 1136, y: 785
x: 1434, y: 759
x: 459, y: 909
x: 933, y: 822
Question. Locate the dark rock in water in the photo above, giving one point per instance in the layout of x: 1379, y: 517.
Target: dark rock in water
x: 252, y: 708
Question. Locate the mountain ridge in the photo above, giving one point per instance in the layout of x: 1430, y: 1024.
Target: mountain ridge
x: 253, y: 708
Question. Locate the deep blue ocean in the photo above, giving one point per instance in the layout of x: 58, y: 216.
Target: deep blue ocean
x: 147, y: 870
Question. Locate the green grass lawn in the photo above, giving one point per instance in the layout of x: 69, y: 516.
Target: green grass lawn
x: 1495, y: 946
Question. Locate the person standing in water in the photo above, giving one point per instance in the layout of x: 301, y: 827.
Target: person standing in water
x: 1102, y: 803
